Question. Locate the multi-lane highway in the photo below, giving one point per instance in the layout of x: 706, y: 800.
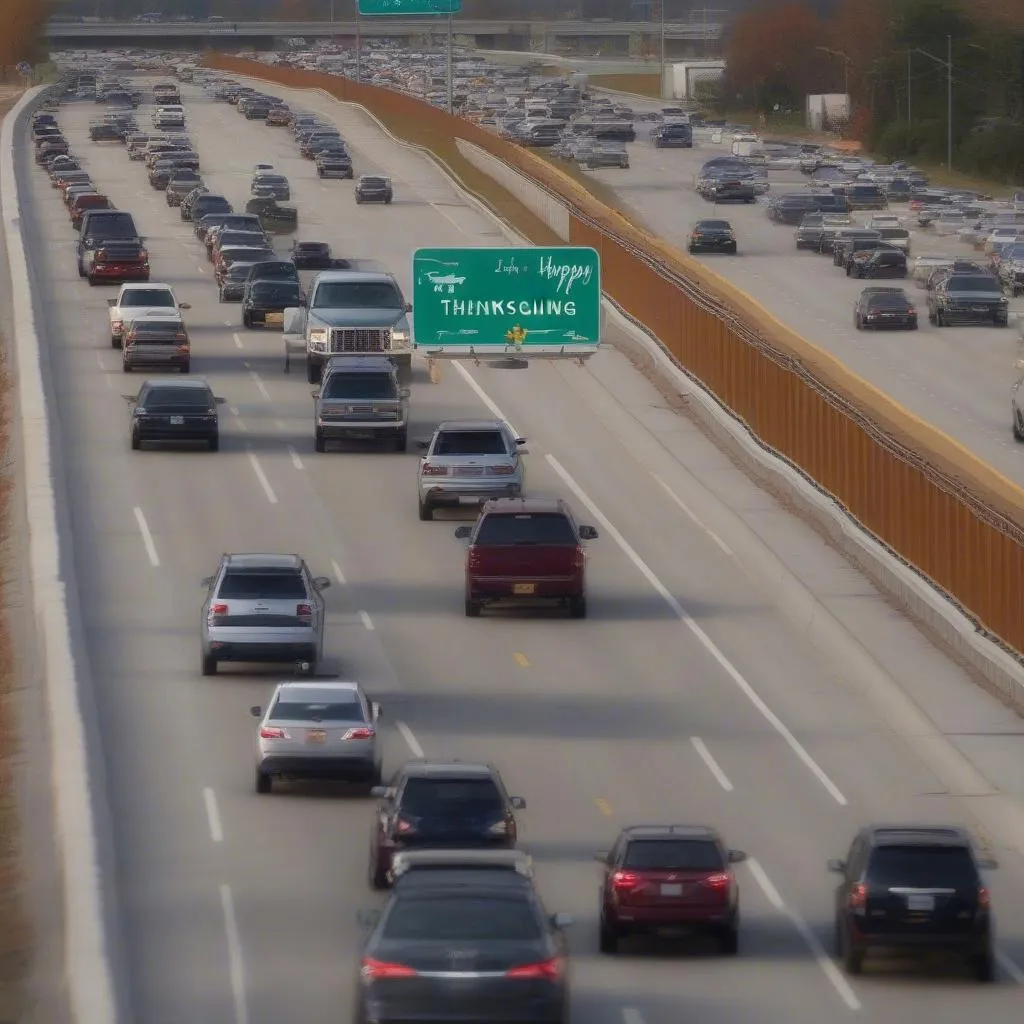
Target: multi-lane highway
x: 957, y: 378
x: 689, y: 694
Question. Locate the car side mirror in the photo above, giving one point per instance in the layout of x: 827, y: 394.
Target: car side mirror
x: 315, y: 394
x: 737, y: 856
x: 464, y: 532
x: 207, y: 581
x: 367, y: 918
x: 184, y: 305
x: 376, y: 710
x: 562, y: 921
x: 422, y: 445
x: 380, y: 792
x: 520, y: 440
x: 220, y: 401
x: 837, y: 866
x: 404, y: 392
x: 588, y: 533
x: 518, y: 803
x: 256, y: 711
x: 322, y: 582
x: 111, y: 302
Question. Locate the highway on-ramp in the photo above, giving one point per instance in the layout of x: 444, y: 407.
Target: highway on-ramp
x: 688, y: 694
x: 957, y: 378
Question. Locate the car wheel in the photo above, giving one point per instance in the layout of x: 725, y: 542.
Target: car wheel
x: 209, y: 665
x: 608, y: 938
x: 577, y: 607
x: 136, y: 441
x: 115, y: 342
x: 264, y: 783
x: 81, y: 270
x: 472, y: 609
x: 126, y: 367
x: 214, y: 443
x: 185, y: 367
x: 314, y: 373
x: 319, y: 441
x: 426, y: 513
x: 853, y: 958
x: 378, y: 876
x: 984, y: 964
x: 246, y: 319
x: 92, y: 281
x: 940, y: 320
x: 220, y: 294
x: 401, y: 441
x: 729, y: 940
x: 1018, y: 434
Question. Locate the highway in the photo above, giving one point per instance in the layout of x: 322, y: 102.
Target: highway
x: 689, y: 694
x: 957, y: 378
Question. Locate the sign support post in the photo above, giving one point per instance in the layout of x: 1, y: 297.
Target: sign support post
x: 449, y: 62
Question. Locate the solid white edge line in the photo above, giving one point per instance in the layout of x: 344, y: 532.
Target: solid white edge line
x: 260, y: 386
x: 482, y: 395
x: 296, y: 461
x: 262, y: 477
x: 709, y: 645
x: 147, y: 537
x: 631, y: 1015
x: 1010, y: 967
x: 213, y: 815
x: 364, y: 617
x: 338, y: 574
x: 238, y: 341
x: 824, y: 961
x: 410, y: 739
x: 236, y: 964
x: 713, y: 766
x: 686, y: 508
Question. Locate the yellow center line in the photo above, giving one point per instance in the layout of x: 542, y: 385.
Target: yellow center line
x: 521, y: 660
x: 604, y: 807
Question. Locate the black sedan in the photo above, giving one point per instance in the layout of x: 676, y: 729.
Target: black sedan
x: 712, y: 236
x: 232, y: 286
x: 175, y: 411
x: 883, y: 308
x: 312, y: 255
x: 463, y: 949
x: 373, y: 188
x: 265, y: 302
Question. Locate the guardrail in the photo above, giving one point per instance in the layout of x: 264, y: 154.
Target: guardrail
x: 929, y: 500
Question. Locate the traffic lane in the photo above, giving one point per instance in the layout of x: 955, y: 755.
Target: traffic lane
x: 957, y: 378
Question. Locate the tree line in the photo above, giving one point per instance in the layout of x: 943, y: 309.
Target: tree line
x: 893, y: 57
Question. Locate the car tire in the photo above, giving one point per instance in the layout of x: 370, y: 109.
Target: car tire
x: 984, y: 965
x: 319, y: 441
x: 136, y: 441
x: 314, y: 373
x: 608, y: 938
x: 940, y: 320
x: 264, y: 783
x: 246, y: 319
x: 115, y: 342
x: 473, y: 608
x: 577, y: 607
x: 378, y: 878
x: 81, y: 269
x: 209, y: 665
x: 220, y: 294
x: 426, y: 512
x: 126, y: 367
x: 729, y: 940
x: 92, y: 281
x: 401, y: 442
x: 214, y: 443
x: 853, y: 957
x: 1018, y: 434
x: 185, y: 367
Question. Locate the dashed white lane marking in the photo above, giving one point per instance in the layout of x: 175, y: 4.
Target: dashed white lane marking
x: 338, y: 574
x: 213, y: 815
x: 260, y: 386
x: 411, y: 742
x: 364, y: 617
x: 296, y: 461
x: 713, y: 766
x: 689, y: 512
x: 262, y: 477
x: 238, y: 341
x: 236, y: 963
x: 147, y: 537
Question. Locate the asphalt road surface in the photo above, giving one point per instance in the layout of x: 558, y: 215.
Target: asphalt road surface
x: 688, y: 694
x: 957, y: 378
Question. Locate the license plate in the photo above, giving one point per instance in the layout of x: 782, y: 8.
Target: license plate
x: 466, y: 499
x: 275, y: 318
x: 920, y: 902
x: 672, y: 890
x: 524, y: 588
x: 177, y: 421
x: 316, y: 736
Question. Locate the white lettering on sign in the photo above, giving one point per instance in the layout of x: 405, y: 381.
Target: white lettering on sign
x: 508, y: 307
x: 567, y: 274
x: 511, y: 267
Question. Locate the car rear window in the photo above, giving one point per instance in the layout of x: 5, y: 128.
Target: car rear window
x: 364, y: 386
x: 470, y: 442
x: 974, y: 283
x: 673, y: 855
x: 311, y: 711
x: 922, y: 866
x: 470, y: 918
x: 886, y: 301
x: 176, y: 398
x: 276, y: 291
x: 148, y: 297
x: 528, y: 528
x: 237, y: 585
x: 104, y: 224
x: 450, y: 797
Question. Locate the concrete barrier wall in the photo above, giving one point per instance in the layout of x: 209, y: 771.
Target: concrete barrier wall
x: 927, y: 499
x: 93, y: 977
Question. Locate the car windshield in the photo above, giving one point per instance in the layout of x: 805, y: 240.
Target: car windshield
x: 470, y: 442
x: 450, y: 797
x: 239, y: 586
x: 148, y: 297
x: 527, y: 528
x: 357, y: 294
x: 298, y: 710
x: 360, y: 386
x: 457, y: 918
x: 165, y: 398
x: 374, y: 182
x: 673, y: 855
x: 974, y: 283
x: 922, y: 866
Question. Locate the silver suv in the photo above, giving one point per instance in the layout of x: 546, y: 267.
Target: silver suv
x: 468, y: 462
x: 263, y: 608
x: 360, y: 399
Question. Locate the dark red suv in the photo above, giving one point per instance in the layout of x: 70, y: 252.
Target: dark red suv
x: 668, y: 878
x: 526, y: 549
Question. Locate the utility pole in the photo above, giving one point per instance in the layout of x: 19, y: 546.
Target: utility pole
x: 359, y: 45
x: 450, y: 80
x: 949, y: 102
x: 661, y: 86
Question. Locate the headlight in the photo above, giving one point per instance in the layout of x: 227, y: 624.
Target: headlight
x: 400, y: 337
x: 318, y: 337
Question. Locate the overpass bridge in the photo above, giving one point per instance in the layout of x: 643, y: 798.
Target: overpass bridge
x: 625, y: 37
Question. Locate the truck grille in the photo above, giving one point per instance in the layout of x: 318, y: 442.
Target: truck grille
x: 353, y: 339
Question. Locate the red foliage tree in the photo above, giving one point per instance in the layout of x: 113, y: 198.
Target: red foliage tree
x: 22, y: 35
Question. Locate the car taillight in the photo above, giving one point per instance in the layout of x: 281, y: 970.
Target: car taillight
x: 143, y: 255
x: 404, y: 827
x: 304, y: 611
x: 374, y: 970
x: 499, y: 828
x: 984, y: 898
x: 218, y: 609
x: 117, y: 325
x: 473, y: 560
x: 502, y: 470
x: 272, y: 732
x: 429, y: 470
x: 858, y: 896
x: 719, y: 882
x: 547, y: 970
x: 623, y: 881
x: 361, y: 732
x: 579, y: 558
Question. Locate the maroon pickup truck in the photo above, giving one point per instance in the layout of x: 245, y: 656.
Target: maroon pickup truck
x: 526, y: 550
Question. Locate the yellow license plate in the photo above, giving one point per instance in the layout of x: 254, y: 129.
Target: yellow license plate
x: 524, y: 588
x: 275, y: 318
x: 316, y: 736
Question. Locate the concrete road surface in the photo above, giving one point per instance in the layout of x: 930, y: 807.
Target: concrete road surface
x: 688, y: 695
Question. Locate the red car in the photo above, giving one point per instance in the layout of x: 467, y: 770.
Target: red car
x: 669, y: 878
x: 526, y: 549
x: 119, y: 261
x: 87, y: 201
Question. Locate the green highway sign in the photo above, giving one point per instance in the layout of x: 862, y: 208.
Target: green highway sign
x: 377, y: 7
x: 528, y: 301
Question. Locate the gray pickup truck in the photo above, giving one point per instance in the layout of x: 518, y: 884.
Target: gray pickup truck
x: 358, y: 311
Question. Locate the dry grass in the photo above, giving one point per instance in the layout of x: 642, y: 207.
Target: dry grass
x: 637, y: 84
x: 15, y: 935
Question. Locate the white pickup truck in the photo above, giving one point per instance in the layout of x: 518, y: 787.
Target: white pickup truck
x: 141, y: 301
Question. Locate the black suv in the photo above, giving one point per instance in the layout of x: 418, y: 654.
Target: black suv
x: 968, y: 298
x: 913, y: 887
x: 440, y: 804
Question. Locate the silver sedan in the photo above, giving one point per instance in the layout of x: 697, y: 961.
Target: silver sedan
x: 322, y: 731
x: 468, y: 462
